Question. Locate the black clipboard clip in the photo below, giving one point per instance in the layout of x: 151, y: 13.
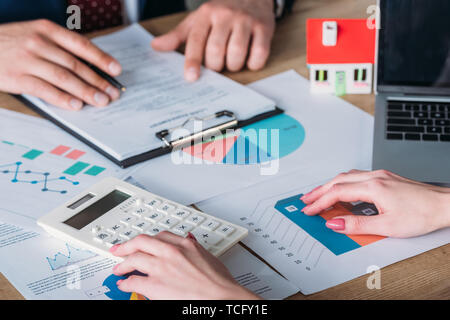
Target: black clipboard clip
x: 201, y: 135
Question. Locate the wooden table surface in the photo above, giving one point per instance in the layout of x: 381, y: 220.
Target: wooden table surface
x: 426, y: 276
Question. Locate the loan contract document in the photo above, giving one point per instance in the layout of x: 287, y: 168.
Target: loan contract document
x: 157, y: 97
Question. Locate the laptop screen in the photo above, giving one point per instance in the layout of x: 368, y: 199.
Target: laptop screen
x: 414, y: 44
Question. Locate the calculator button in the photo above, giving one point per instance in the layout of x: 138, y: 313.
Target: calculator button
x: 226, y: 230
x: 182, y: 228
x: 141, y: 225
x: 128, y: 220
x: 153, y: 216
x: 169, y: 222
x: 102, y: 236
x: 115, y: 228
x: 96, y: 229
x: 153, y: 203
x: 154, y: 230
x: 113, y: 241
x: 128, y: 234
x: 139, y: 202
x: 210, y: 224
x: 195, y: 219
x: 207, y: 237
x: 166, y: 208
x: 140, y: 211
x: 181, y: 213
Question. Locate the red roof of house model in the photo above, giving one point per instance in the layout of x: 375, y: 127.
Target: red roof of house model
x: 355, y: 42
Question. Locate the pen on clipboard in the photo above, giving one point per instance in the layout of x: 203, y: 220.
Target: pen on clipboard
x: 105, y: 76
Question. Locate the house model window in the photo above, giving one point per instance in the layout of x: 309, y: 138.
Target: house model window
x: 340, y: 56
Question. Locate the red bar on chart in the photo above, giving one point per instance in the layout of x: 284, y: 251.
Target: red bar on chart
x: 60, y: 150
x: 75, y: 154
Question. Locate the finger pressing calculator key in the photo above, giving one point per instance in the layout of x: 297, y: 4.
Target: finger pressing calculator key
x: 114, y: 211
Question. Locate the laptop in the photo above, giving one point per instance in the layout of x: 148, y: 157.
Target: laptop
x: 412, y: 109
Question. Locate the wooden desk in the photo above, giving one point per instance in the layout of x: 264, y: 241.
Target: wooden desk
x: 426, y: 276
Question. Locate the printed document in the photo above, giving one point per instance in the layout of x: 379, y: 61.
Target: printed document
x: 157, y: 97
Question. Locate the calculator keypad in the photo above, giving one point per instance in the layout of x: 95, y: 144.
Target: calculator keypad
x: 210, y: 224
x: 195, y: 219
x: 128, y: 234
x: 128, y: 220
x: 151, y: 216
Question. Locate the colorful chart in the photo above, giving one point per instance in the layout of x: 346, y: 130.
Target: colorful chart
x: 253, y: 143
x: 64, y: 151
x: 115, y: 293
x: 337, y: 243
x: 41, y: 179
x: 72, y: 256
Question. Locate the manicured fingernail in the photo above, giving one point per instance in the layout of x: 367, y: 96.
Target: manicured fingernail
x: 114, y: 248
x: 191, y: 236
x: 192, y: 74
x: 114, y: 93
x: 115, y: 68
x: 101, y: 98
x: 305, y: 209
x: 76, y: 104
x: 336, y: 224
x: 119, y: 282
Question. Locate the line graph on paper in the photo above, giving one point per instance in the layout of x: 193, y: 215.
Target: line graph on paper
x: 71, y: 256
x: 42, y: 180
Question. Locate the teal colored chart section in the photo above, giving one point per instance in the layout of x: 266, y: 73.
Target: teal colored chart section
x: 259, y: 143
x: 32, y: 154
x: 94, y: 170
x: 337, y: 243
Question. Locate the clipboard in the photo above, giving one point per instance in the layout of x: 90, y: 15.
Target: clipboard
x: 167, y: 145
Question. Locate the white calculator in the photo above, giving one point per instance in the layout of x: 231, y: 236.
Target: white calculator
x: 113, y: 211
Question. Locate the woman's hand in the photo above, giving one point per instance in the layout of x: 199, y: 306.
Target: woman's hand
x: 222, y: 33
x: 175, y: 268
x: 40, y: 58
x: 406, y: 208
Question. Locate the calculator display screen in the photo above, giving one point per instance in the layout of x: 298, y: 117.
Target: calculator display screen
x: 97, y: 209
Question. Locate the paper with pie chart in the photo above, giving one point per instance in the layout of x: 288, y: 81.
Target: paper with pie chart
x: 245, y: 146
x: 314, y: 131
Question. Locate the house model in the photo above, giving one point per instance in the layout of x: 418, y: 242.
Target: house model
x: 340, y: 55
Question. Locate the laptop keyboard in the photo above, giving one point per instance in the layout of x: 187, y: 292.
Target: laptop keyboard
x: 420, y: 121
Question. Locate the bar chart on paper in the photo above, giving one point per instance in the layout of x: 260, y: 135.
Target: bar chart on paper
x: 299, y: 246
x: 41, y: 166
x: 279, y: 224
x: 337, y: 243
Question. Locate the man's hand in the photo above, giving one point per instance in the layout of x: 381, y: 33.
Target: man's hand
x: 223, y: 33
x: 39, y: 58
x: 174, y: 268
x: 406, y: 208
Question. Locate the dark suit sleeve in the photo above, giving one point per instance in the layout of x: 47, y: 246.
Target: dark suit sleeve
x: 23, y: 10
x: 156, y: 8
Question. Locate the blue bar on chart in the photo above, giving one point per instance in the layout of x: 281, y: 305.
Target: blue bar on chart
x: 337, y: 243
